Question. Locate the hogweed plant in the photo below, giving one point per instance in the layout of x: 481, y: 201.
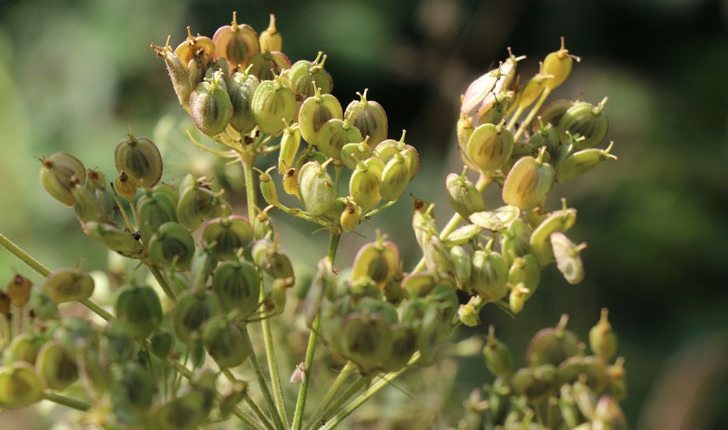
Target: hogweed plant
x: 196, y: 346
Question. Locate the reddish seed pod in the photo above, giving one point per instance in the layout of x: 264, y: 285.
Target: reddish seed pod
x: 236, y: 43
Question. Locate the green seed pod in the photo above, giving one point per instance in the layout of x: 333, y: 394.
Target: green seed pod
x: 210, y: 105
x: 547, y: 136
x: 237, y: 285
x: 192, y: 310
x: 117, y: 342
x: 56, y: 366
x: 195, y: 46
x: 484, y: 91
x: 496, y: 220
x: 461, y: 266
x: 263, y: 226
x: 551, y: 114
x: 25, y: 347
x: 117, y: 240
x: 353, y: 153
x: 177, y: 71
x: 590, y: 370
x: 608, y: 415
x: 517, y: 297
x: 139, y: 157
x: 351, y: 216
x: 162, y: 344
x: 126, y: 186
x: 20, y: 386
x: 236, y: 43
x: 533, y: 89
x: 172, y: 246
x: 267, y: 65
x: 515, y: 240
x: 94, y: 373
x: 581, y: 162
x: 75, y: 334
x: 270, y: 39
x: 468, y: 315
x: 525, y: 270
x: 437, y: 257
x: 557, y: 221
x: 395, y: 177
x: 230, y: 400
x: 365, y: 183
x: 316, y: 188
x: 366, y: 339
x: 315, y: 112
x: 95, y: 180
x: 273, y: 106
x: 154, y: 209
x: 57, y: 173
x: 68, y: 285
x: 557, y: 65
x: 43, y: 306
x: 273, y: 262
x: 227, y: 235
x: 602, y: 339
x: 463, y: 195
x: 303, y: 73
x: 587, y: 121
x: 241, y: 88
x: 465, y: 129
x: 132, y: 393
x: 498, y: 358
x: 335, y: 135
x: 225, y: 342
x: 567, y: 257
x: 404, y: 344
x: 494, y: 112
x: 534, y: 382
x: 462, y: 235
x: 181, y: 413
x: 377, y: 260
x: 290, y: 142
x: 140, y: 307
x: 197, y: 204
x: 85, y: 204
x: 268, y: 188
x: 552, y: 345
x: 528, y: 183
x: 369, y: 117
x: 489, y: 275
x: 618, y: 384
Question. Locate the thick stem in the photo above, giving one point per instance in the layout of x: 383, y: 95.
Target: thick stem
x: 66, y: 401
x: 24, y: 256
x: 311, y: 348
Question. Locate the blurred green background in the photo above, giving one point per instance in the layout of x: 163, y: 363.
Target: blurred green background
x: 74, y: 74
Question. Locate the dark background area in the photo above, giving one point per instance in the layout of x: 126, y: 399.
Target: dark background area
x: 74, y: 74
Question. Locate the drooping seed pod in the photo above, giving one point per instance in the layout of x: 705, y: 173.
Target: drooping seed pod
x: 552, y: 345
x: 587, y: 121
x: 489, y: 275
x: 378, y: 260
x: 365, y: 183
x: 121, y: 241
x: 602, y: 339
x: 270, y: 39
x: 241, y: 87
x: 236, y: 43
x: 557, y: 65
x: 58, y: 174
x: 567, y: 257
x: 20, y: 385
x: 139, y: 157
x: 534, y: 382
x: 304, y: 76
x: 195, y: 46
x: 273, y: 106
x: 463, y: 195
x: 191, y: 311
x: 210, y: 105
x: 369, y: 117
x: 68, y: 285
x: 154, y: 209
x: 227, y: 235
x: 225, y: 342
x: 172, y: 246
x: 497, y: 356
x: 177, y: 71
x: 351, y: 216
x: 57, y: 367
x: 557, y: 221
x: 314, y: 113
x: 336, y: 134
x: 490, y: 146
x: 525, y: 270
x: 316, y: 188
x: 353, y: 153
x: 528, y: 183
x: 141, y: 308
x: 290, y: 142
x: 237, y: 285
x: 267, y: 65
x: 581, y: 162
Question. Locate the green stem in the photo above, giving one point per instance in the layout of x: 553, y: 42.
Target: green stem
x: 24, y: 256
x: 66, y: 401
x: 342, y: 398
x: 334, y: 239
x: 264, y: 421
x: 333, y: 390
x: 531, y: 114
x: 98, y: 310
x: 262, y: 381
x: 163, y: 283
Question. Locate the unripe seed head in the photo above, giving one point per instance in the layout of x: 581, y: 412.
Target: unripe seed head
x: 369, y: 117
x: 316, y: 188
x: 210, y: 105
x: 273, y: 106
x: 528, y: 183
